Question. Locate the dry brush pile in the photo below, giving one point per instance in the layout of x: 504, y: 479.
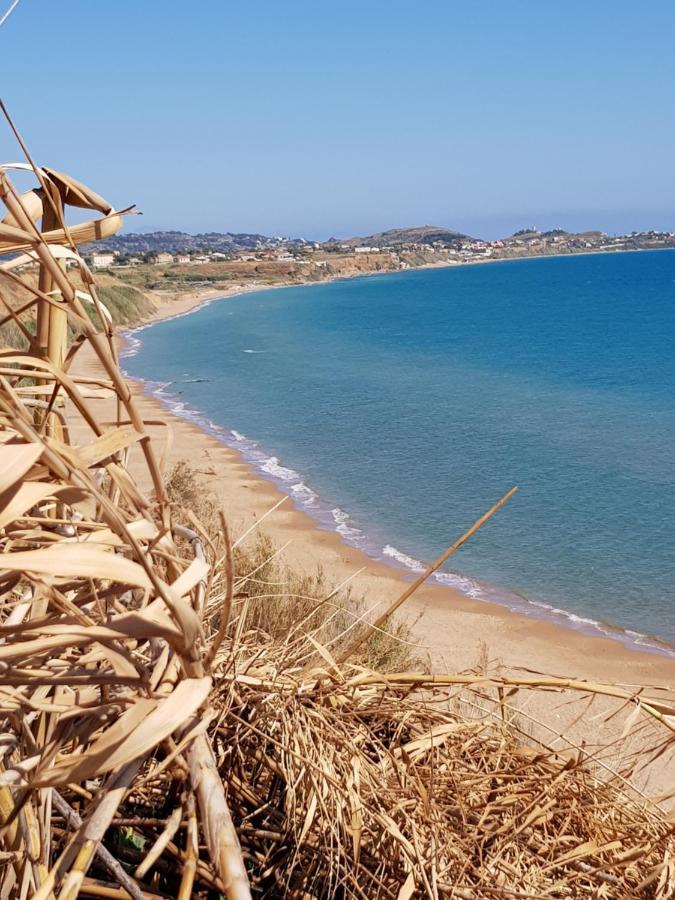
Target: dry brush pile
x: 181, y: 717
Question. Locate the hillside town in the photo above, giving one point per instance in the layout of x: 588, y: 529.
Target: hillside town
x: 396, y: 249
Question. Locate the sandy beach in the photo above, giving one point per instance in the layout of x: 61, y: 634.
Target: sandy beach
x: 452, y: 631
x: 452, y: 626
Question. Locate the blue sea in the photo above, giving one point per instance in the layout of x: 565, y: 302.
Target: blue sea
x: 398, y: 408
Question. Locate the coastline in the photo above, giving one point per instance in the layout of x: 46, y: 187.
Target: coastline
x: 175, y: 304
x: 327, y: 516
x: 312, y: 528
x: 449, y: 630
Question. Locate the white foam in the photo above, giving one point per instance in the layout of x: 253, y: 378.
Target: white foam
x: 254, y: 351
x: 408, y: 561
x: 273, y: 467
x: 461, y: 583
x: 450, y: 579
x: 213, y: 426
x: 516, y: 603
x: 554, y: 612
x: 304, y: 494
x: 132, y: 345
x: 341, y: 518
x: 580, y: 620
x: 642, y: 640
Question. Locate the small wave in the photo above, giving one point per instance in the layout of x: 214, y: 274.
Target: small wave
x: 237, y: 435
x: 535, y: 608
x: 212, y: 426
x: 255, y: 351
x: 645, y: 640
x: 132, y: 345
x: 304, y: 494
x: 408, y: 561
x: 467, y: 586
x: 553, y: 612
x: 273, y: 467
x: 340, y: 519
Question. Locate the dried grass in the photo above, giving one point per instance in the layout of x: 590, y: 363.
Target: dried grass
x: 216, y: 722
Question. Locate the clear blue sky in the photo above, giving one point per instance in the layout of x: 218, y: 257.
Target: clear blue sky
x: 322, y: 119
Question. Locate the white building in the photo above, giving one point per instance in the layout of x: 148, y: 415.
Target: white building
x: 102, y: 260
x: 164, y: 259
x: 366, y: 249
x: 182, y: 259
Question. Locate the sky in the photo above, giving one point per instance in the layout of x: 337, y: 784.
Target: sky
x: 336, y: 119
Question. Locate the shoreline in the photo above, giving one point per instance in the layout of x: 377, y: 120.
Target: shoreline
x: 449, y: 632
x: 632, y: 642
x: 269, y: 468
x: 192, y: 301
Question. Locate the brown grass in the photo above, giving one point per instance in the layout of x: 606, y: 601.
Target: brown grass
x: 280, y: 602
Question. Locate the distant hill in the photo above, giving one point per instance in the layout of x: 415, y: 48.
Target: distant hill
x: 532, y: 234
x: 181, y: 241
x: 137, y: 244
x: 140, y: 244
x: 423, y: 234
x: 525, y: 234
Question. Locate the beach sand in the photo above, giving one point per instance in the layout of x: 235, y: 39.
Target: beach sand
x: 452, y: 630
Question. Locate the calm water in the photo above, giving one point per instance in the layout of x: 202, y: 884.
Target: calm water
x: 398, y: 408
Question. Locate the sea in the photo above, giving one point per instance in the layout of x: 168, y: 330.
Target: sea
x: 397, y: 408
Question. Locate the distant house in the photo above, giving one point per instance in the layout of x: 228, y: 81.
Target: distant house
x: 182, y: 259
x: 163, y: 259
x: 102, y: 260
x: 366, y: 249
